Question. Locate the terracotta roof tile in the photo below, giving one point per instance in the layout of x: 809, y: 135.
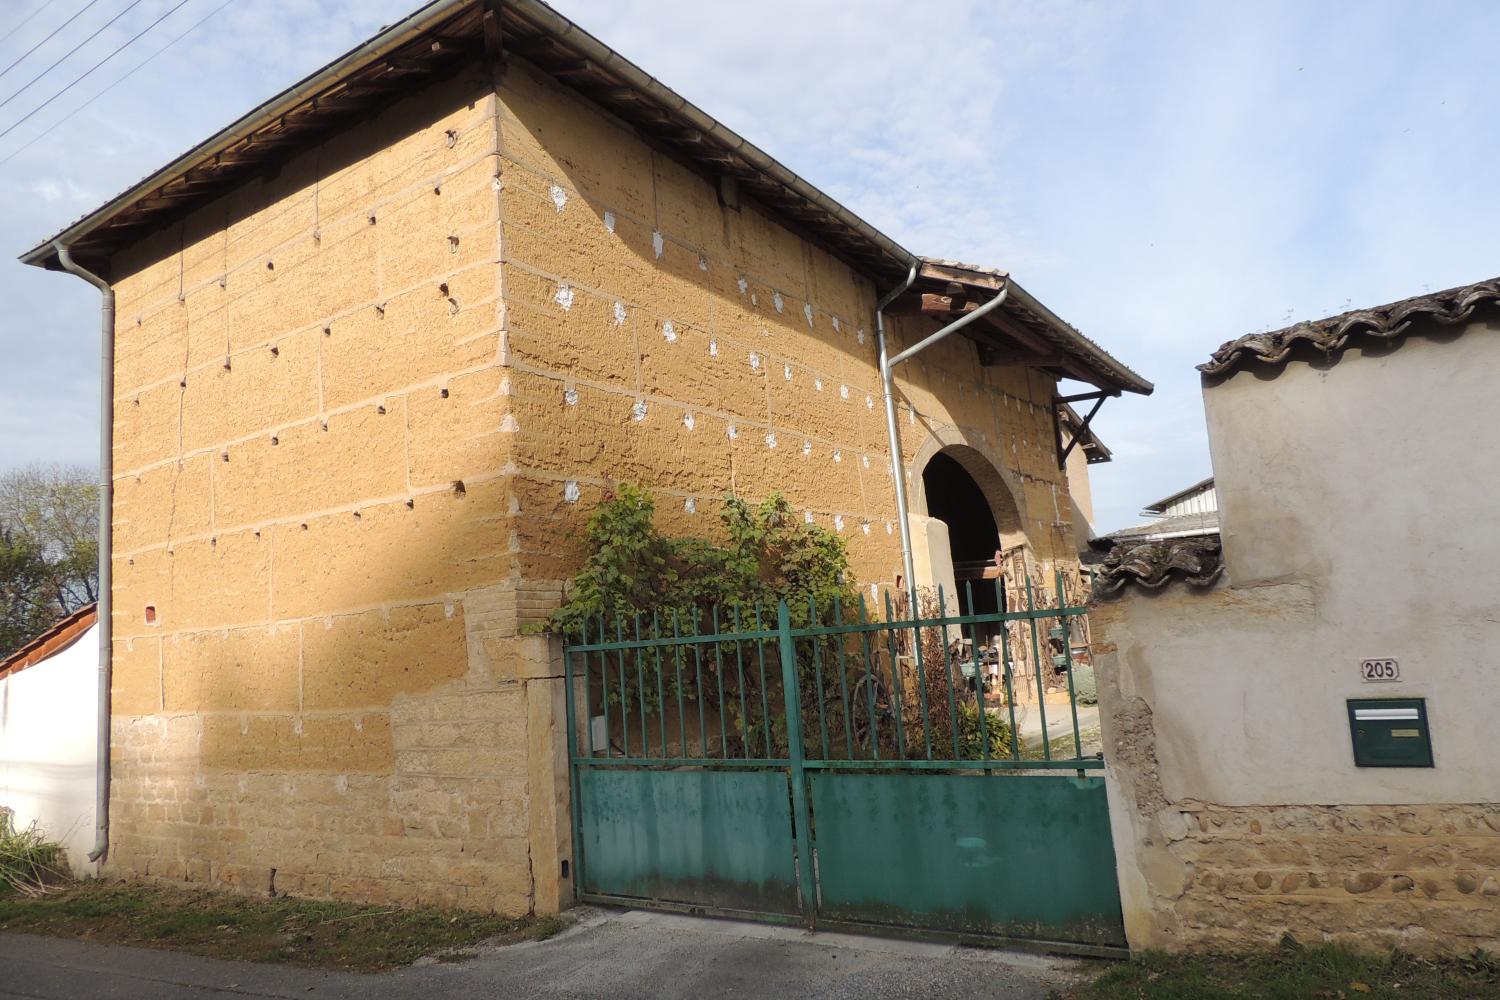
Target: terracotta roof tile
x: 1331, y: 335
x: 1197, y: 561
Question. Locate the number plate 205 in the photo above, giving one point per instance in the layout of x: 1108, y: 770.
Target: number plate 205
x: 1379, y: 671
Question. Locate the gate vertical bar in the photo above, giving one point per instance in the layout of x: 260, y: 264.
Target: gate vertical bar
x: 805, y: 887
x: 577, y: 811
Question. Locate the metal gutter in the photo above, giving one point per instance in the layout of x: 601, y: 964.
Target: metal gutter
x: 106, y: 539
x: 892, y: 426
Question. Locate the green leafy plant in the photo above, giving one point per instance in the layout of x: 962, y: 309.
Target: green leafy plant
x: 971, y: 739
x: 639, y: 583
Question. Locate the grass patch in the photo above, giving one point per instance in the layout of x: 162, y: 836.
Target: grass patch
x: 29, y: 862
x: 1321, y: 973
x: 1062, y: 747
x: 303, y: 932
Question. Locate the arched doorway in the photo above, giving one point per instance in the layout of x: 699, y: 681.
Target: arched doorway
x: 963, y: 490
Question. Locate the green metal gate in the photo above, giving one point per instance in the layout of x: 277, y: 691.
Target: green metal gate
x: 838, y: 771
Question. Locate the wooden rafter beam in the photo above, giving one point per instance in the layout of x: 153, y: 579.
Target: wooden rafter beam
x: 1080, y: 430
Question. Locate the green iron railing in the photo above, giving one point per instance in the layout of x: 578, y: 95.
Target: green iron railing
x: 820, y: 688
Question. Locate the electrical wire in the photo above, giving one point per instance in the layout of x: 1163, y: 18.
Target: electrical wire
x: 25, y: 21
x: 118, y: 80
x: 27, y: 85
x: 82, y: 76
x: 49, y: 38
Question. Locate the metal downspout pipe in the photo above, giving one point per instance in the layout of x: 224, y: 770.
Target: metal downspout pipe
x: 892, y: 428
x: 106, y: 505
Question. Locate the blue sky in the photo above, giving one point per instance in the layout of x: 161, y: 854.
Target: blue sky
x: 1164, y: 176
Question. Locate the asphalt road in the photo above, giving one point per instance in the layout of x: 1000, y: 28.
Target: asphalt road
x: 607, y: 954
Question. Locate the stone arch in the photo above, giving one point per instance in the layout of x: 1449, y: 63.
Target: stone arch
x: 998, y: 484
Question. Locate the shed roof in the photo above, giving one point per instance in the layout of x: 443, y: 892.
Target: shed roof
x: 1334, y: 333
x: 51, y: 642
x: 1161, y: 505
x: 443, y: 37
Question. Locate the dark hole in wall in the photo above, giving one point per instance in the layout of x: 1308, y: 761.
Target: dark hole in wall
x: 954, y: 498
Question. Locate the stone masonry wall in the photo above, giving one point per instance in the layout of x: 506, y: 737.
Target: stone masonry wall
x: 318, y: 685
x: 656, y: 336
x: 1199, y: 874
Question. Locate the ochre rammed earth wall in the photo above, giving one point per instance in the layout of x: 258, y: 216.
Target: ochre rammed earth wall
x: 654, y: 335
x: 364, y: 408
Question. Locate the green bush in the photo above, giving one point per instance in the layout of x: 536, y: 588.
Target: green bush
x: 971, y: 741
x: 768, y: 553
x: 1085, y: 688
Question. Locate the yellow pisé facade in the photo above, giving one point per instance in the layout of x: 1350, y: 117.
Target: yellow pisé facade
x: 364, y: 408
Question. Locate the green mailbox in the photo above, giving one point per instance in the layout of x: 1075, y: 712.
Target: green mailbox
x: 1390, y: 732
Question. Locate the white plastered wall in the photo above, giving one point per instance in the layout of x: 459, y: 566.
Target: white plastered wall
x: 47, y: 745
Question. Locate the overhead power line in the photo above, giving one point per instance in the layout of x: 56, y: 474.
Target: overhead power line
x: 117, y: 81
x: 25, y: 21
x: 80, y: 78
x: 49, y: 38
x: 27, y: 86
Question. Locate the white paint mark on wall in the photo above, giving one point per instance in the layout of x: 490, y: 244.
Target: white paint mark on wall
x: 733, y: 432
x: 570, y: 491
x: 564, y: 297
x: 744, y: 285
x: 807, y: 517
x: 559, y: 198
x: 865, y: 527
x: 777, y: 301
x: 658, y: 244
x: 888, y: 529
x: 806, y: 448
x: 838, y: 522
x: 869, y: 403
x: 638, y: 411
x: 508, y: 424
x: 838, y: 456
x: 669, y: 331
x: 713, y: 348
x: 866, y: 460
x: 808, y: 313
x: 860, y: 336
x: 702, y: 263
x: 771, y: 440
x: 818, y: 384
x: 570, y: 396
x: 843, y: 392
x: 786, y: 372
x: 754, y: 361
x: 609, y: 221
x: 690, y: 505
x: 619, y: 314
x: 836, y: 327
x: 688, y: 421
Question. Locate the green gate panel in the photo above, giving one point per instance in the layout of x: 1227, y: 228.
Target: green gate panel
x: 1013, y: 856
x: 717, y: 839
